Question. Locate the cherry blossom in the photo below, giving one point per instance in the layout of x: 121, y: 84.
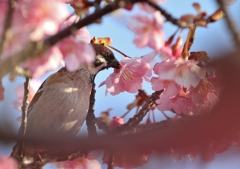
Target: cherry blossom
x: 75, y: 53
x: 80, y: 6
x: 185, y: 73
x: 83, y: 163
x: 18, y: 33
x: 148, y: 30
x: 173, y: 96
x: 205, y: 96
x: 116, y: 121
x: 144, y: 6
x: 75, y: 48
x: 33, y: 87
x: 176, y: 76
x: 42, y: 18
x: 50, y: 60
x: 7, y: 163
x: 178, y: 103
x: 130, y: 76
x: 81, y: 34
x: 34, y: 19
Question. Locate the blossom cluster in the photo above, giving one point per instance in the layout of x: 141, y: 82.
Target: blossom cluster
x: 34, y: 21
x: 188, y: 88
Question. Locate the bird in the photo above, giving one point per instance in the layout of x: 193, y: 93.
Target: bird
x: 60, y: 106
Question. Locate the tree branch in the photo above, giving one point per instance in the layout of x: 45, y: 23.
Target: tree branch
x: 177, y: 22
x: 22, y: 130
x: 230, y: 25
x: 133, y: 122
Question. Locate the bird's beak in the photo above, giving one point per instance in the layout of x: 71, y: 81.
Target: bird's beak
x: 114, y: 64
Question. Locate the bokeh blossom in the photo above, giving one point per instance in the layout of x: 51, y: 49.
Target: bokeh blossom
x: 148, y: 31
x: 33, y: 87
x: 76, y: 49
x: 50, y: 60
x: 7, y: 163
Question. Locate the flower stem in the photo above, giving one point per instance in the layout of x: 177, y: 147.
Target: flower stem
x: 119, y: 52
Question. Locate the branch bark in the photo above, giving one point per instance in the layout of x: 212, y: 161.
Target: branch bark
x: 230, y: 25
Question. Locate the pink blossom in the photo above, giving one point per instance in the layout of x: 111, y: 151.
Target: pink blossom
x: 192, y: 100
x: 34, y: 85
x: 75, y: 53
x: 80, y: 163
x: 184, y: 73
x: 7, y: 163
x: 179, y: 103
x: 173, y: 96
x: 42, y: 17
x: 116, y: 121
x: 18, y: 33
x: 144, y: 6
x: 48, y: 61
x: 130, y: 76
x: 170, y: 87
x: 1, y: 91
x: 83, y: 163
x: 148, y: 31
x: 76, y: 49
x: 205, y: 96
x: 81, y: 34
x: 166, y: 52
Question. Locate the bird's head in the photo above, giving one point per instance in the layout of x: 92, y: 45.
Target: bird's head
x: 104, y: 59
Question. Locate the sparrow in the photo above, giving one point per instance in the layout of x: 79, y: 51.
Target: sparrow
x: 61, y: 104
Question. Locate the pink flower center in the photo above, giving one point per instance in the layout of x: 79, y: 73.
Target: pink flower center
x: 128, y: 75
x: 204, y: 86
x: 146, y: 28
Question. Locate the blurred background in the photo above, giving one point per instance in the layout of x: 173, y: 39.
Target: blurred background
x: 214, y: 39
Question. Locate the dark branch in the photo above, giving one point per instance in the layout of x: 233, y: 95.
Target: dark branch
x: 23, y: 128
x: 177, y: 22
x: 133, y: 122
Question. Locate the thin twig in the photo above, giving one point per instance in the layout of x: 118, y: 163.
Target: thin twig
x: 119, y: 51
x: 169, y: 17
x: 230, y: 24
x: 7, y: 24
x: 22, y: 131
x: 132, y: 122
x: 179, y: 23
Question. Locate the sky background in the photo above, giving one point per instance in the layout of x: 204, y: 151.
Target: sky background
x: 214, y: 40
